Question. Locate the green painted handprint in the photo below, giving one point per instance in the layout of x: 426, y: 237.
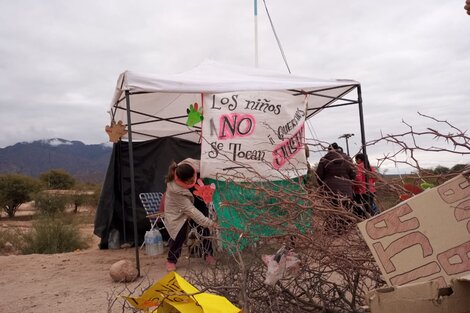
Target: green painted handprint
x: 194, y: 115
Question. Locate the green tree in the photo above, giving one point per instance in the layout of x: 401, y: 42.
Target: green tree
x: 50, y: 203
x: 84, y: 194
x: 57, y: 179
x: 16, y: 189
x: 457, y: 168
x: 441, y: 170
x: 78, y: 199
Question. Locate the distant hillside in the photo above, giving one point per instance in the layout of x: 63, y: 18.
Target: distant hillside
x: 86, y: 163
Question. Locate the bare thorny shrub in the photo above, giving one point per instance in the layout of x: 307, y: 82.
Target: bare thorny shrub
x: 337, y: 269
x: 336, y: 266
x: 442, y: 139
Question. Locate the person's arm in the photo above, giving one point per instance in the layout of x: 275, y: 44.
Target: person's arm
x: 191, y: 211
x: 372, y: 176
x: 320, y: 171
x: 360, y: 177
x: 359, y: 181
x: 372, y: 179
x: 351, y: 169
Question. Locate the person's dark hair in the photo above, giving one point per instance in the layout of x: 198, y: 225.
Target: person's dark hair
x: 333, y: 146
x: 184, y: 172
x: 363, y: 158
x: 360, y: 156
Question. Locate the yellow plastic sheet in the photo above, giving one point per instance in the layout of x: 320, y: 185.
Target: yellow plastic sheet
x: 174, y: 294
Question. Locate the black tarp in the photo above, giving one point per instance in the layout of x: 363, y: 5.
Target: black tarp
x: 151, y: 161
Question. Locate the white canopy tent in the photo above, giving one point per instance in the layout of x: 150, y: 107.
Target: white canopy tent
x: 155, y: 106
x: 156, y: 98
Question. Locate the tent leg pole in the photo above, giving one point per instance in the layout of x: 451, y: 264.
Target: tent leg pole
x: 361, y: 120
x: 363, y: 136
x: 131, y: 169
x: 123, y: 209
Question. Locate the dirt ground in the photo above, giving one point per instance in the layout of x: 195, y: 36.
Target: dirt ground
x: 72, y: 282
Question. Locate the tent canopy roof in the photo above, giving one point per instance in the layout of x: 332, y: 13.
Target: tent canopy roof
x: 164, y: 98
x: 214, y: 77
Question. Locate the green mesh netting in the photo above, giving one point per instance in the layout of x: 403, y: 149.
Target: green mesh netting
x: 261, y: 209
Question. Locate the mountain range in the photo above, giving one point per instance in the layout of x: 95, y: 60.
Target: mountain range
x: 86, y: 163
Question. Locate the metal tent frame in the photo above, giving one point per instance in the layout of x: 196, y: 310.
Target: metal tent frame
x: 143, y: 99
x: 332, y: 102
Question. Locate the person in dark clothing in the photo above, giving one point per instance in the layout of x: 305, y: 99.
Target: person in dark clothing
x: 335, y: 174
x: 199, y: 248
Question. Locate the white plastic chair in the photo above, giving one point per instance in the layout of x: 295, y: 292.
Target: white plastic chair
x: 151, y: 203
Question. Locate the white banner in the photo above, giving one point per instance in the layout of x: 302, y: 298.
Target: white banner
x: 253, y: 136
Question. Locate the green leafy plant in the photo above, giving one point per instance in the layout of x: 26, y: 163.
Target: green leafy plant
x: 49, y: 203
x: 54, y: 235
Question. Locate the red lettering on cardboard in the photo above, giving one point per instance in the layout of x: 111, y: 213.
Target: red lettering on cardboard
x: 391, y: 223
x: 455, y: 190
x: 462, y: 211
x: 460, y: 253
x: 416, y: 273
x: 397, y: 246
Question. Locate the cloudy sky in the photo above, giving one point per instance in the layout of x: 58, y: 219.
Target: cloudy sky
x: 59, y: 60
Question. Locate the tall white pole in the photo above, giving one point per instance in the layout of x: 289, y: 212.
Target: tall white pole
x: 256, y: 31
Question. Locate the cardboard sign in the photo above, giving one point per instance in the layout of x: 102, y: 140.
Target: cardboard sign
x: 424, y: 238
x: 253, y: 135
x: 422, y: 297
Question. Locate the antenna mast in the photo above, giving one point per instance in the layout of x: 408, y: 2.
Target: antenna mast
x: 256, y: 31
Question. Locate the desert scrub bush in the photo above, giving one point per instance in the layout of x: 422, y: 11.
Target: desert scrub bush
x: 50, y: 204
x: 53, y: 234
x: 12, y: 236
